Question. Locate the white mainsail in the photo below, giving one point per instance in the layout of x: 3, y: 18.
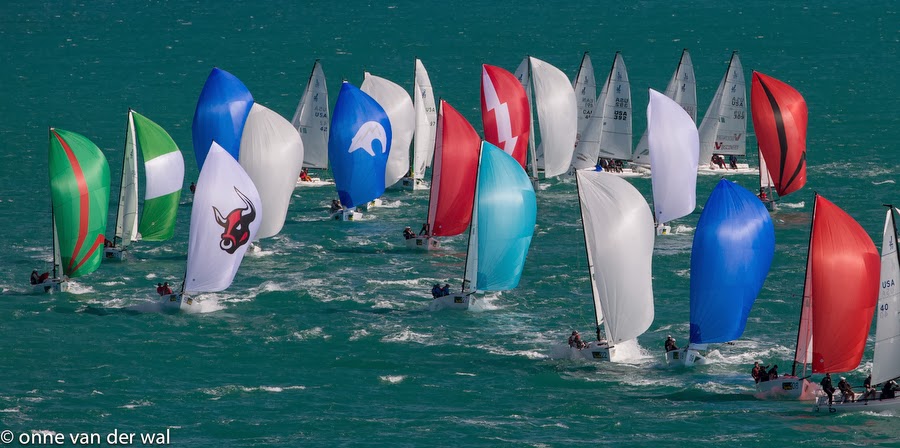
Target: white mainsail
x: 886, y: 361
x: 400, y: 111
x: 557, y: 116
x: 312, y: 120
x: 618, y: 233
x: 223, y: 190
x: 608, y: 132
x: 585, y: 86
x: 426, y: 121
x: 523, y: 74
x: 272, y: 155
x: 682, y: 89
x: 674, y: 150
x: 127, y: 211
x: 724, y: 127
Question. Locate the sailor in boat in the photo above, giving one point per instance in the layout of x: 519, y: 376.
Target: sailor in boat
x: 425, y: 230
x: 336, y: 206
x: 38, y: 279
x: 166, y: 290
x: 762, y: 194
x: 732, y: 160
x: 575, y: 341
x: 436, y: 291
x: 889, y: 389
x: 193, y: 187
x: 408, y: 233
x: 773, y: 372
x: 670, y: 344
x: 159, y: 289
x: 828, y: 388
x: 846, y: 390
x: 870, y: 391
x: 757, y: 371
x: 304, y: 175
x: 445, y: 291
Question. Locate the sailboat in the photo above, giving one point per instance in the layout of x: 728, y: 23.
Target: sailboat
x: 358, y: 148
x: 225, y: 218
x: 426, y: 121
x: 682, y: 89
x: 557, y: 114
x: 79, y: 202
x: 164, y: 173
x: 779, y: 119
x: 839, y: 296
x: 674, y: 149
x: 585, y: 86
x: 400, y: 111
x: 619, y: 267
x: 505, y: 113
x: 503, y: 219
x: 221, y: 112
x: 886, y: 360
x: 607, y: 135
x: 311, y: 119
x: 272, y: 155
x: 723, y: 130
x: 456, y: 152
x: 766, y: 185
x: 731, y: 255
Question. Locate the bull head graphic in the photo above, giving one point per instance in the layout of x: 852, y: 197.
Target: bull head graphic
x: 236, y: 224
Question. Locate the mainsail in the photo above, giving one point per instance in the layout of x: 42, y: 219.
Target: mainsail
x: 674, y: 149
x: 358, y: 146
x: 620, y: 267
x: 608, y: 131
x: 886, y: 362
x: 585, y: 86
x: 222, y: 109
x: 505, y: 112
x: 456, y: 153
x: 731, y: 255
x: 127, y: 209
x: 682, y: 89
x: 426, y: 121
x: 402, y: 115
x: 79, y: 192
x: 272, y: 155
x: 311, y: 119
x: 724, y: 126
x: 779, y: 119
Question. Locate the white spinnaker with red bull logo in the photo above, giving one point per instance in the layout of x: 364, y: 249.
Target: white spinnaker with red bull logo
x: 225, y: 218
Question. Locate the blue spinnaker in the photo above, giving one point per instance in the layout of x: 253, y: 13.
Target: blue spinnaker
x: 733, y: 248
x: 506, y: 213
x: 222, y: 110
x: 358, y: 146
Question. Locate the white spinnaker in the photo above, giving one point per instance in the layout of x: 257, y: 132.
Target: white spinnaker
x: 618, y: 231
x: 127, y: 211
x: 886, y: 361
x: 312, y: 119
x: 674, y: 150
x: 585, y: 86
x: 557, y: 115
x: 272, y: 155
x: 402, y: 115
x: 221, y: 184
x: 724, y: 127
x: 682, y: 89
x: 426, y: 121
x: 523, y: 74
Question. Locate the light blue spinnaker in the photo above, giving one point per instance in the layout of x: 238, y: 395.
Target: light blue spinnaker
x: 222, y: 110
x: 502, y: 222
x: 358, y: 146
x: 733, y: 248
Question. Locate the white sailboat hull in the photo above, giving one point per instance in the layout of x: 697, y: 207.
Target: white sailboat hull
x: 599, y: 351
x: 860, y: 405
x: 313, y: 182
x: 346, y: 215
x: 377, y: 202
x: 409, y: 183
x: 634, y: 171
x: 455, y: 301
x: 51, y: 285
x: 788, y: 387
x: 663, y: 230
x: 742, y: 168
x: 685, y: 357
x: 115, y: 253
x: 423, y: 242
x: 178, y: 302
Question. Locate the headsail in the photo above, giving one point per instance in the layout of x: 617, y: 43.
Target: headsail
x: 557, y: 115
x: 674, y: 149
x: 164, y: 172
x: 312, y: 120
x: 682, y: 89
x: 505, y: 112
x: 886, y: 362
x: 779, y: 119
x: 222, y: 109
x: 730, y: 259
x: 400, y: 111
x: 79, y: 188
x: 620, y: 267
x: 358, y: 146
x: 224, y: 220
x: 456, y: 153
x: 502, y: 222
x: 426, y: 122
x: 724, y: 126
x: 608, y: 132
x: 845, y: 272
x: 272, y: 155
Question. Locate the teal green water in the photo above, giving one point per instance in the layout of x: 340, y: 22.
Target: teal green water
x: 325, y: 338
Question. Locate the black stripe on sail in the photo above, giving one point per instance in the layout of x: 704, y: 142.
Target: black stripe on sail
x: 797, y: 170
x: 782, y: 135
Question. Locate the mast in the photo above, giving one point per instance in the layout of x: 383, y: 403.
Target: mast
x: 803, y: 295
x: 116, y: 236
x: 473, y: 224
x: 588, y: 255
x: 412, y: 149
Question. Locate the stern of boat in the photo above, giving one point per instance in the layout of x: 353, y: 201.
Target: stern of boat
x: 454, y: 301
x: 423, y: 242
x: 51, y: 285
x: 114, y: 253
x: 409, y: 183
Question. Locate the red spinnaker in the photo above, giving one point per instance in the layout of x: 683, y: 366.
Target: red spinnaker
x: 846, y: 270
x: 504, y: 112
x: 453, y: 177
x: 779, y: 118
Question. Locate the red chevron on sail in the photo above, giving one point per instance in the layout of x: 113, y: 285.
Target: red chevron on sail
x: 780, y: 118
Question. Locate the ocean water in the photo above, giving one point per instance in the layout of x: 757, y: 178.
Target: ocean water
x: 325, y: 338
